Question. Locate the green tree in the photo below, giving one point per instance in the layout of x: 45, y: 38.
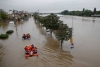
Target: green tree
x: 78, y: 13
x: 52, y: 22
x: 35, y: 15
x: 63, y: 32
x: 3, y: 15
x: 88, y: 13
x: 65, y: 12
x: 97, y: 12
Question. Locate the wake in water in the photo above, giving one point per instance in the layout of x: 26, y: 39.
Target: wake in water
x: 34, y: 62
x: 30, y: 62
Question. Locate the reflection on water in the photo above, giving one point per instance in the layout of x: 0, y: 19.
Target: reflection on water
x: 41, y: 29
x: 4, y: 25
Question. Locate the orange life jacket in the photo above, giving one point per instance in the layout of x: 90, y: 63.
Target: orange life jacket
x: 34, y: 48
x: 28, y: 48
x: 26, y: 35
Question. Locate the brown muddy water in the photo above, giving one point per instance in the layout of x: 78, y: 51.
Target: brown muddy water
x: 86, y: 52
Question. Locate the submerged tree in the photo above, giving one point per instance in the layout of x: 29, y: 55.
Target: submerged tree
x: 3, y: 15
x: 35, y: 15
x: 51, y: 22
x: 63, y: 32
x: 65, y: 12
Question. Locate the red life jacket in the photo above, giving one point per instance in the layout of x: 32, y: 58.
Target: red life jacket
x: 28, y: 48
x: 26, y: 35
x: 33, y: 48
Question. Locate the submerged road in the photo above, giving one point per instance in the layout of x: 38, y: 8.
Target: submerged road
x: 85, y: 54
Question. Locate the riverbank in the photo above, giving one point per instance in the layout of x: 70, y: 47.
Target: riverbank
x: 85, y: 16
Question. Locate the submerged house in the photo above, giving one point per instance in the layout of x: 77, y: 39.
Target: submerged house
x: 15, y: 15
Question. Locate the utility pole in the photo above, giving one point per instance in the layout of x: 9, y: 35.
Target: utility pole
x: 72, y: 31
x: 71, y: 39
x: 72, y: 25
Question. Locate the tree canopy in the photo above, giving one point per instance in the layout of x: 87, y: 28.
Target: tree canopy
x: 84, y: 12
x: 63, y: 32
x: 3, y: 15
x: 52, y: 22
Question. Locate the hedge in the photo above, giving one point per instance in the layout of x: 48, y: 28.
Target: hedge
x: 9, y: 31
x: 3, y: 36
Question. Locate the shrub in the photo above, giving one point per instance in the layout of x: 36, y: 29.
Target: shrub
x: 9, y: 31
x: 3, y: 36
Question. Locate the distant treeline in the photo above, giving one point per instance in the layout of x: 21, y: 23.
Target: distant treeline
x: 84, y: 12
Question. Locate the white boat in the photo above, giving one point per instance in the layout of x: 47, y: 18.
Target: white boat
x: 11, y: 22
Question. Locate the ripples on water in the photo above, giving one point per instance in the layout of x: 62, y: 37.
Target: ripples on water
x: 2, y: 53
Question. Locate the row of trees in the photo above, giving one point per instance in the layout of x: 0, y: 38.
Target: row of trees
x: 52, y: 23
x: 81, y: 13
x: 3, y: 15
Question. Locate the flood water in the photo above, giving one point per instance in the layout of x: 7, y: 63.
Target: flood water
x: 85, y: 37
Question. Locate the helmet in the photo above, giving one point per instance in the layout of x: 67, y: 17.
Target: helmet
x: 32, y: 45
x: 72, y: 44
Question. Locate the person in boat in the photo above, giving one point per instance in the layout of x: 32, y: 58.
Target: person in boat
x: 72, y: 46
x: 28, y: 35
x: 27, y: 54
x: 33, y: 47
x: 24, y: 37
x: 28, y: 51
x: 28, y: 48
x: 35, y: 51
x: 31, y: 53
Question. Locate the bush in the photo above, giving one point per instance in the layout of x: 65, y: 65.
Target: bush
x: 9, y: 31
x: 3, y: 36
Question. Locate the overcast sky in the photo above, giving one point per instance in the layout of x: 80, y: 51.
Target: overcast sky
x: 49, y: 5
